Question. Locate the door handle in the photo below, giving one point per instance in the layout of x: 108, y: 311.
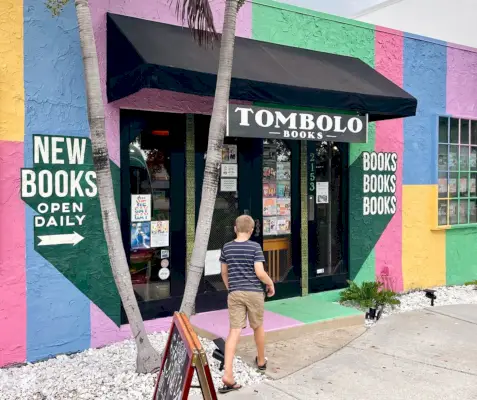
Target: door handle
x: 257, y: 228
x: 311, y: 208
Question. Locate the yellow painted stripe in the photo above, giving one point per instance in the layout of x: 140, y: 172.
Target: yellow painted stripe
x: 423, y: 250
x: 12, y: 107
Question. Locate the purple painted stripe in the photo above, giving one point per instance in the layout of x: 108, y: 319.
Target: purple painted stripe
x: 217, y: 322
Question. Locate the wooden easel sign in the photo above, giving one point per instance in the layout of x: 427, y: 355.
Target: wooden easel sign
x: 183, y: 355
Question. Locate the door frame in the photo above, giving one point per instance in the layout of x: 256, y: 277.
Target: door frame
x: 338, y: 281
x: 132, y: 122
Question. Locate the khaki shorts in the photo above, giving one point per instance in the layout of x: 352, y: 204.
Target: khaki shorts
x: 243, y: 305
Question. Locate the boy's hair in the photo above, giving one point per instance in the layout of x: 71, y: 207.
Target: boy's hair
x: 244, y: 224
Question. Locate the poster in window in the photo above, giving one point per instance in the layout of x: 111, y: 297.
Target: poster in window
x: 269, y: 172
x: 443, y: 159
x: 269, y: 152
x: 160, y: 234
x: 322, y: 192
x: 473, y: 211
x: 140, y: 235
x: 228, y: 185
x: 283, y: 171
x: 443, y: 185
x: 283, y: 225
x: 229, y: 154
x: 269, y: 190
x: 464, y: 158
x: 453, y: 159
x: 283, y: 206
x: 473, y: 159
x: 283, y: 189
x: 463, y: 186
x: 442, y: 212
x: 463, y: 211
x: 269, y: 207
x: 453, y: 186
x: 269, y: 226
x: 140, y: 207
x: 453, y: 212
x: 472, y: 185
x: 229, y: 171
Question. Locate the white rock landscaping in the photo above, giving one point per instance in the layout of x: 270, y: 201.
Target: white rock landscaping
x: 107, y: 373
x: 446, y: 295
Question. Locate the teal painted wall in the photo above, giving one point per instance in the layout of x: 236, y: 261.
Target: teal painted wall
x: 461, y: 256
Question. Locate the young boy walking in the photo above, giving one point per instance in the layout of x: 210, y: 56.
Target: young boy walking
x: 242, y: 272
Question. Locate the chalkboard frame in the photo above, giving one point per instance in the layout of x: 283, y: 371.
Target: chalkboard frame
x: 178, y: 323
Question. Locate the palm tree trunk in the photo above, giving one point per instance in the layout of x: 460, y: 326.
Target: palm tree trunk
x: 148, y: 359
x: 214, y: 158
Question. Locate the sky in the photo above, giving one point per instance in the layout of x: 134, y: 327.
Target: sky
x: 343, y: 8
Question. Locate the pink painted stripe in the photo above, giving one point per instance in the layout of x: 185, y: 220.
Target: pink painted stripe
x: 104, y: 331
x: 461, y: 83
x: 12, y: 256
x: 217, y: 322
x: 390, y: 138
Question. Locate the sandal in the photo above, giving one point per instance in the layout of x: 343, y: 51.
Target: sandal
x: 229, y: 388
x: 261, y: 367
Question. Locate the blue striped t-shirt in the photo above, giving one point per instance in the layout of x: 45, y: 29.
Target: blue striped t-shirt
x: 240, y: 258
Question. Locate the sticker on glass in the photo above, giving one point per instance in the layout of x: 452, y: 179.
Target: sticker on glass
x: 164, y: 274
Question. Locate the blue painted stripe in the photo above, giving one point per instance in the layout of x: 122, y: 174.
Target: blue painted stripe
x: 425, y: 72
x: 58, y: 314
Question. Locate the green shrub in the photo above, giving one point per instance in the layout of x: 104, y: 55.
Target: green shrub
x: 471, y: 283
x: 368, y: 295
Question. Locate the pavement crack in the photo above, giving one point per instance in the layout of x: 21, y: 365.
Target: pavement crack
x: 414, y: 361
x: 451, y: 316
x: 268, y: 383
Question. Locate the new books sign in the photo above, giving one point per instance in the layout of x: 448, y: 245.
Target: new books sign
x: 68, y: 231
x: 275, y: 123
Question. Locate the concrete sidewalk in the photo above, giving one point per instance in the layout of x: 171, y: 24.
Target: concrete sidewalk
x: 428, y: 354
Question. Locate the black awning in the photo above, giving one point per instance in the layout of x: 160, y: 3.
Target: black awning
x: 146, y: 54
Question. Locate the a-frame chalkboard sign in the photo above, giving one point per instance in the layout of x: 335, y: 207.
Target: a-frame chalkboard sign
x: 183, y: 355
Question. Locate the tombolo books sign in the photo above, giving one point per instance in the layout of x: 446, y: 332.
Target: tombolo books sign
x: 275, y: 123
x: 68, y: 229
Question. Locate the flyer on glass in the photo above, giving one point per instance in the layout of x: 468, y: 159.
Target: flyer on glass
x: 229, y: 171
x: 269, y: 226
x: 229, y: 154
x: 442, y: 185
x: 283, y: 189
x: 159, y: 233
x: 283, y: 225
x: 283, y: 171
x: 453, y: 186
x: 228, y: 185
x: 140, y: 235
x: 269, y: 207
x: 269, y: 190
x: 140, y: 207
x: 322, y: 193
x: 283, y: 206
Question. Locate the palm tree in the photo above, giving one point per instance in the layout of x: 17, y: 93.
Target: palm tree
x: 198, y: 15
x: 148, y: 359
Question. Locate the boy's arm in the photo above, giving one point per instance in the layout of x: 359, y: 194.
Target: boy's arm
x: 225, y: 274
x: 260, y: 272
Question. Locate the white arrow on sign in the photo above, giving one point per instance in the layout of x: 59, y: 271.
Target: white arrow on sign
x: 52, y: 240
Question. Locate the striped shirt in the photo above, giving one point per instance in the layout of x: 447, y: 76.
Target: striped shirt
x: 240, y: 258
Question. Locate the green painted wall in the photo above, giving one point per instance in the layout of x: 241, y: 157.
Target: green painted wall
x: 461, y: 256
x: 293, y: 26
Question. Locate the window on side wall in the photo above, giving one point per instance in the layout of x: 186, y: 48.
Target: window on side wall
x: 457, y: 171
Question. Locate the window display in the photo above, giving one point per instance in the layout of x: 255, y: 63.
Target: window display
x: 457, y: 171
x: 149, y: 163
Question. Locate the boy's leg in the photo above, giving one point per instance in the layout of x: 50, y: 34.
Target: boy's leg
x: 238, y: 319
x: 255, y: 311
x: 259, y: 335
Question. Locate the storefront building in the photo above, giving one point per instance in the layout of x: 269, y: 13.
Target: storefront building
x: 353, y: 147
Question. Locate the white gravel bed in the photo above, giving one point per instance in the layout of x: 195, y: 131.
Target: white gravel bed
x: 107, y: 373
x: 446, y: 295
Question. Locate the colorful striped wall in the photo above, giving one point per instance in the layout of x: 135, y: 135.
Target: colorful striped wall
x: 42, y: 91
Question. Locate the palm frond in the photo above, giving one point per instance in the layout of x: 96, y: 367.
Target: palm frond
x: 199, y: 18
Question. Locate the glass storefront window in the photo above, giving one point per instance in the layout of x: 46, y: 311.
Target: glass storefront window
x: 276, y: 187
x: 149, y: 170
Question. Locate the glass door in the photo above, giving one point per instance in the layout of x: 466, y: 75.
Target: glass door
x: 327, y: 215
